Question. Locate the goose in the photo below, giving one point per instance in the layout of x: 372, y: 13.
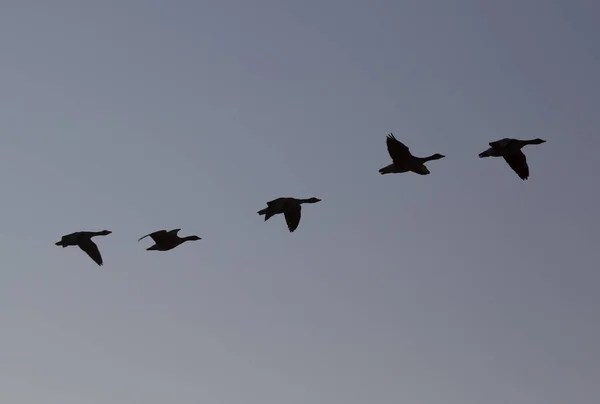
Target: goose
x: 403, y: 160
x: 83, y: 239
x: 290, y: 207
x: 167, y: 240
x: 510, y: 150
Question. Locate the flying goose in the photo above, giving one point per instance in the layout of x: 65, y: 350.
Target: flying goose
x: 510, y: 150
x: 167, y: 240
x: 83, y: 239
x: 403, y: 160
x: 290, y: 207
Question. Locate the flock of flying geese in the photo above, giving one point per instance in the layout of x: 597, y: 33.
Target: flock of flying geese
x: 402, y: 161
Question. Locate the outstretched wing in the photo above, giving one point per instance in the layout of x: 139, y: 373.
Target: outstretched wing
x: 292, y: 215
x: 172, y: 233
x: 156, y: 236
x: 397, y: 150
x: 518, y: 162
x: 91, y: 249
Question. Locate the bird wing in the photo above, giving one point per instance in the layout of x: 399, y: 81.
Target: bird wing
x: 397, y: 150
x: 518, y: 162
x: 157, y: 235
x: 91, y: 249
x: 172, y: 233
x: 292, y: 215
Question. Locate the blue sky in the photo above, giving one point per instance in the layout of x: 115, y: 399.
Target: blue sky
x: 464, y: 286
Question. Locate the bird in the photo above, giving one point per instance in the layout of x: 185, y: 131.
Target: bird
x: 510, y: 150
x: 83, y: 239
x: 403, y: 160
x: 167, y: 240
x: 290, y: 207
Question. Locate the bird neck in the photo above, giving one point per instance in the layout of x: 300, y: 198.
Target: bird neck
x: 429, y: 158
x: 100, y: 233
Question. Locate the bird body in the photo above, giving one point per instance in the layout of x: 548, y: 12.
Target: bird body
x: 398, y: 169
x: 403, y: 160
x: 83, y: 239
x: 167, y: 240
x: 510, y: 150
x: 290, y: 207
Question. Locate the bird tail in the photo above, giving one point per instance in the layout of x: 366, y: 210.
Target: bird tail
x: 387, y: 169
x: 267, y: 212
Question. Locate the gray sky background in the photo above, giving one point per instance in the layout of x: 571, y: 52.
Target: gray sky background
x: 467, y: 286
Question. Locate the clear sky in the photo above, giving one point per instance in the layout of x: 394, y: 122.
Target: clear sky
x: 466, y: 286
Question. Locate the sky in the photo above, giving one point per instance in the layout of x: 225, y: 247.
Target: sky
x: 466, y: 286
